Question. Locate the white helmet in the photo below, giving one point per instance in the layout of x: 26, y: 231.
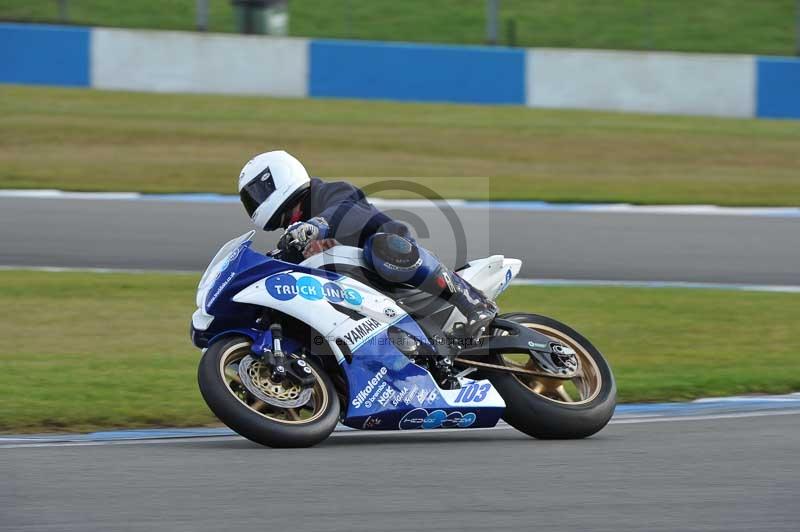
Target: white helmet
x: 269, y: 184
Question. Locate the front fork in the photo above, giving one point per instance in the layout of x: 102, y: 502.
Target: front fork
x: 268, y: 348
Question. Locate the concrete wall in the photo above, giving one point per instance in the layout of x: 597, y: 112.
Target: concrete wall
x: 167, y: 61
x: 692, y: 84
x: 160, y: 61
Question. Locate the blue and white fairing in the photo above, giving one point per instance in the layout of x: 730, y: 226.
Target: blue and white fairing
x: 386, y: 390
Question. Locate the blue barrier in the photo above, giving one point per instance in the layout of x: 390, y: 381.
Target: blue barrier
x: 391, y: 71
x: 44, y: 55
x: 778, y: 87
x: 59, y: 55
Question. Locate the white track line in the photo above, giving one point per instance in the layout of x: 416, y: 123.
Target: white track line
x: 68, y: 269
x: 404, y: 433
x: 788, y: 289
x: 537, y: 206
x: 793, y: 289
x: 703, y: 417
x: 61, y: 194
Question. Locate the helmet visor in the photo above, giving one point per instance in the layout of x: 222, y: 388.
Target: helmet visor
x: 257, y: 191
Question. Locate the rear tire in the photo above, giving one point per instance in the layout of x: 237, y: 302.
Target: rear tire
x: 548, y: 418
x: 248, y: 422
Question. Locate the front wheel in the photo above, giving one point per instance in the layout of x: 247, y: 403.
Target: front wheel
x: 551, y: 408
x: 256, y: 420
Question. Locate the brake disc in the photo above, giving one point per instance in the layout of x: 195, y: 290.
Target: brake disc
x: 256, y: 378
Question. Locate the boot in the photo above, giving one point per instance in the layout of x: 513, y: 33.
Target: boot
x: 478, y: 309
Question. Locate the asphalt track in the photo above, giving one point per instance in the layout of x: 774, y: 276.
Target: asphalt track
x: 731, y: 474
x: 174, y: 235
x: 707, y: 473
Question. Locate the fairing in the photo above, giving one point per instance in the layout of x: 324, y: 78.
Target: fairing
x: 386, y: 390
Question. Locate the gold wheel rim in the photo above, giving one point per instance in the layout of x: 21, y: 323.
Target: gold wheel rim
x: 311, y: 411
x: 580, y: 389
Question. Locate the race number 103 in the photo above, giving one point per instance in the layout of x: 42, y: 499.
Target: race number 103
x: 473, y: 393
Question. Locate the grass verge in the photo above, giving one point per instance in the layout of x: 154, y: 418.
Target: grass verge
x: 744, y: 26
x: 115, y: 141
x: 83, y: 351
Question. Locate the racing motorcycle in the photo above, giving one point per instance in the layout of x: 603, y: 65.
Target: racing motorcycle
x: 292, y: 347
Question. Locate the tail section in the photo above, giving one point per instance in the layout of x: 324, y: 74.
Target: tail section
x: 491, y: 275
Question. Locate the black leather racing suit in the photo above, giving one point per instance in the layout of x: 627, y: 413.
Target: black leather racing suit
x: 390, y: 249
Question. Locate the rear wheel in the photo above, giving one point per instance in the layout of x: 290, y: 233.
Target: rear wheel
x: 225, y: 394
x: 552, y: 408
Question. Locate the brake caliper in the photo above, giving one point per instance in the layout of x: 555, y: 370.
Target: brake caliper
x: 555, y: 358
x: 281, y: 380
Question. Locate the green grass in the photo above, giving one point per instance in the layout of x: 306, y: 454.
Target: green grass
x: 84, y: 351
x: 151, y: 14
x: 115, y: 141
x: 745, y: 26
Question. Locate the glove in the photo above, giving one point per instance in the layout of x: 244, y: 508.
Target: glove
x: 318, y: 246
x: 301, y: 233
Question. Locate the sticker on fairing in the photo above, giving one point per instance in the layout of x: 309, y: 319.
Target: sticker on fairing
x: 474, y: 392
x: 376, y: 384
x: 421, y: 418
x: 285, y: 287
x: 506, y: 282
x: 362, y: 331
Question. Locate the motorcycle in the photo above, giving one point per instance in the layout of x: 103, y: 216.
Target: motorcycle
x: 292, y: 347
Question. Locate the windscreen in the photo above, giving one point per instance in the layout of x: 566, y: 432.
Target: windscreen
x: 219, y: 263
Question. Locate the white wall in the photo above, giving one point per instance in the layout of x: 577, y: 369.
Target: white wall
x: 672, y: 83
x: 168, y: 61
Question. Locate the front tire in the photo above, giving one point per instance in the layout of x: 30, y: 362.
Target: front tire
x: 255, y: 420
x: 555, y: 409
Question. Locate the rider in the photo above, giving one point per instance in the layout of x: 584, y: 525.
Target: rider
x: 277, y: 193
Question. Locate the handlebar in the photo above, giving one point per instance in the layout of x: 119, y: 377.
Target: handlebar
x: 292, y: 254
